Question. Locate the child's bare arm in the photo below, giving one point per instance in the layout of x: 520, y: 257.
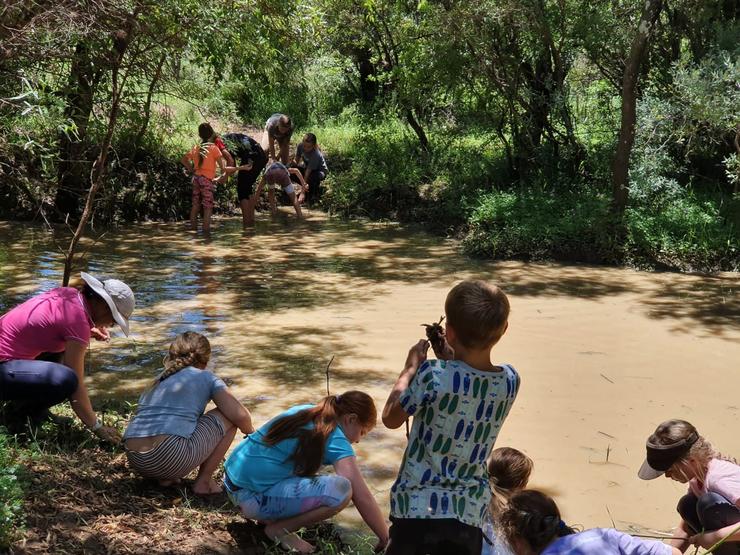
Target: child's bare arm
x: 233, y: 410
x: 187, y: 162
x: 363, y: 498
x: 227, y: 156
x: 393, y: 414
x: 299, y: 175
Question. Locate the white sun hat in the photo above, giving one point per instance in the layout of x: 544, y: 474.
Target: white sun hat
x: 117, y: 295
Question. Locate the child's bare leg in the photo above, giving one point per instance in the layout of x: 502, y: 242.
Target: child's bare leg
x: 296, y: 204
x: 283, y: 530
x: 207, y: 219
x: 194, y: 216
x: 247, y: 211
x: 273, y: 201
x: 204, y: 482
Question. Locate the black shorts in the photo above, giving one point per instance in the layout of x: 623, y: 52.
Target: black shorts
x: 433, y: 536
x: 245, y: 180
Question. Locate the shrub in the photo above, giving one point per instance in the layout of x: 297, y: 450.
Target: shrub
x: 540, y: 224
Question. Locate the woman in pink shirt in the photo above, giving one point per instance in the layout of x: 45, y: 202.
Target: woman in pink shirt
x: 710, y: 511
x: 43, y: 343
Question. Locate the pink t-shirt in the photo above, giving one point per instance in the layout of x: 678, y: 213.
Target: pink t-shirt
x: 43, y: 324
x: 723, y: 477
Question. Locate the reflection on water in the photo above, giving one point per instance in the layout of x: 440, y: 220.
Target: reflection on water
x: 279, y: 302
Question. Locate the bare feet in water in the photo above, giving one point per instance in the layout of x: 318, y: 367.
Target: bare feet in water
x: 206, y: 487
x: 289, y: 540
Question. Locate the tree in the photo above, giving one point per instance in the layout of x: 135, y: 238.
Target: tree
x: 620, y: 164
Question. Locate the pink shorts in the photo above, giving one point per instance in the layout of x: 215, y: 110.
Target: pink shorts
x: 202, y: 191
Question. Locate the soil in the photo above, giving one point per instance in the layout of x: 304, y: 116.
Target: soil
x: 89, y: 502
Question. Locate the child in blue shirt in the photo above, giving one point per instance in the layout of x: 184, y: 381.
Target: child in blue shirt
x: 272, y: 475
x: 533, y: 527
x: 169, y: 436
x: 441, y: 494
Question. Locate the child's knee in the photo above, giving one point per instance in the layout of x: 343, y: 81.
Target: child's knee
x: 343, y: 491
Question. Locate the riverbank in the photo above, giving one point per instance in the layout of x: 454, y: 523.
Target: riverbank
x: 604, y: 353
x: 78, y: 496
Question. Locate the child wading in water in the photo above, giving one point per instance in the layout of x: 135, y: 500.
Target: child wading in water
x: 441, y: 495
x: 533, y: 526
x: 279, y: 174
x: 169, y: 436
x: 272, y: 475
x: 508, y: 471
x: 201, y: 161
x: 711, y: 508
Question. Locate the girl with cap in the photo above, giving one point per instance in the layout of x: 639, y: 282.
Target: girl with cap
x: 43, y: 343
x: 532, y: 524
x: 710, y: 510
x: 279, y: 174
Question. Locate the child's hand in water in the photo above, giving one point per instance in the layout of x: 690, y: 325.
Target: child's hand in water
x: 417, y: 354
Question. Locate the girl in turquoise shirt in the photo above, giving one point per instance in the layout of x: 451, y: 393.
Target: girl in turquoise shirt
x: 272, y: 475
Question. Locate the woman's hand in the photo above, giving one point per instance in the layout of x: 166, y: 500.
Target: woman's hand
x: 109, y: 434
x: 100, y: 333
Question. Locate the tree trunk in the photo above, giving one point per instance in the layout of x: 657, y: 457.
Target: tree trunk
x: 98, y: 169
x: 620, y: 164
x: 74, y: 168
x: 418, y: 129
x: 148, y: 103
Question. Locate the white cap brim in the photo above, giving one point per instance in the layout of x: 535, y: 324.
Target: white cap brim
x: 97, y: 286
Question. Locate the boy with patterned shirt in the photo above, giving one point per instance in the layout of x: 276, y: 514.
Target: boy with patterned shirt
x: 440, y: 496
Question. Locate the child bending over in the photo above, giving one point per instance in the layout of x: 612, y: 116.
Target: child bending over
x: 711, y: 508
x: 508, y: 472
x: 272, y: 476
x: 533, y: 526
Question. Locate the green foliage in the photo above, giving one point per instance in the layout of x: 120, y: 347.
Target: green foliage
x: 11, y: 493
x: 685, y: 232
x: 542, y: 224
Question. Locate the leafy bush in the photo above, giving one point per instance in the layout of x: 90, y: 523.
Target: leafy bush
x: 11, y: 494
x: 540, y: 224
x: 685, y: 232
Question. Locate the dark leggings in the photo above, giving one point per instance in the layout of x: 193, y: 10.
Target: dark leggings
x: 37, y: 384
x: 314, y: 186
x: 710, y: 512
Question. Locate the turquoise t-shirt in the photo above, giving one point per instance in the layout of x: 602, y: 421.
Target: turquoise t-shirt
x: 458, y: 412
x: 256, y: 466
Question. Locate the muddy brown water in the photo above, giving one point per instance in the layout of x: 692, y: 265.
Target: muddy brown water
x: 605, y: 354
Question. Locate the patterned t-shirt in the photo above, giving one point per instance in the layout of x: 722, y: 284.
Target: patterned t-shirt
x: 458, y: 412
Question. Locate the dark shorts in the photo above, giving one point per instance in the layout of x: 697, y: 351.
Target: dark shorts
x: 245, y: 180
x: 433, y: 536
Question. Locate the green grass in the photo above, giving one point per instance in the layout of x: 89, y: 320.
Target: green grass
x: 11, y: 492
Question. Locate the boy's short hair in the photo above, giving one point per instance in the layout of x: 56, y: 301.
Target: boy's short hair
x: 310, y: 138
x: 478, y: 312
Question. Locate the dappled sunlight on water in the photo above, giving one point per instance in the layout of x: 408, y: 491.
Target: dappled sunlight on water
x: 605, y: 354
